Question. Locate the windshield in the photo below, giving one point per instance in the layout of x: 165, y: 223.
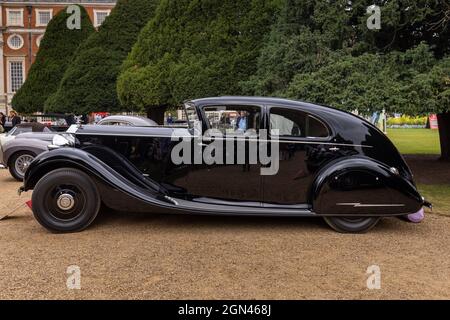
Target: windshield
x: 191, y: 115
x: 11, y: 132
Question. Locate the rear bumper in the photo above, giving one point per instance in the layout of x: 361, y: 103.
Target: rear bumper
x: 427, y: 204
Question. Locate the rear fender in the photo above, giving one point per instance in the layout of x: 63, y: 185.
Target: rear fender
x: 362, y: 186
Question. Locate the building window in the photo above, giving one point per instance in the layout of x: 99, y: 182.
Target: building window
x: 15, y: 42
x: 39, y: 39
x: 100, y: 16
x: 16, y: 75
x: 14, y: 17
x: 43, y: 17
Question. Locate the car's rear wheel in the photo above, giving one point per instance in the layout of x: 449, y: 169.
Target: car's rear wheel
x: 65, y: 200
x: 19, y: 163
x: 352, y: 224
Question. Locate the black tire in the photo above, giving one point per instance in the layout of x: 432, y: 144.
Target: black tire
x: 65, y: 200
x: 352, y: 224
x: 17, y: 170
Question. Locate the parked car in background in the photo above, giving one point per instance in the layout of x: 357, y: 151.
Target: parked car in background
x: 58, y: 122
x: 18, y: 153
x: 28, y: 127
x: 135, y: 121
x: 331, y: 164
x: 23, y: 143
x: 55, y: 121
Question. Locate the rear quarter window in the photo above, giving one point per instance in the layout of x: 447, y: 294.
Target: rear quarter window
x: 296, y: 123
x: 316, y: 128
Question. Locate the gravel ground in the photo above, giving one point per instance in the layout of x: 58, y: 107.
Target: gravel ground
x: 178, y: 257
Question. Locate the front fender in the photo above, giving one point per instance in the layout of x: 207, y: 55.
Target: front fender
x: 103, y: 170
x: 362, y: 186
x: 122, y: 186
x: 31, y: 145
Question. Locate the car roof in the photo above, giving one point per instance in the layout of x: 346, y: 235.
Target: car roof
x: 331, y: 114
x: 268, y: 101
x: 137, y: 121
x: 259, y: 100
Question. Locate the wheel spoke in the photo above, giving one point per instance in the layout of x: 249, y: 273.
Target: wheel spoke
x: 22, y: 163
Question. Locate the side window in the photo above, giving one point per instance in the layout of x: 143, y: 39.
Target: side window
x: 295, y: 123
x: 121, y: 123
x: 234, y: 120
x: 316, y: 129
x: 191, y: 115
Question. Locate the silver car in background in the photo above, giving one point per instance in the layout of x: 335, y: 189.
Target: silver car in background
x: 18, y: 149
x: 18, y: 153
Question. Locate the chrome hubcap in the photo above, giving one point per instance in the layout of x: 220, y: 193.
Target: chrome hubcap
x: 22, y: 163
x: 65, y: 202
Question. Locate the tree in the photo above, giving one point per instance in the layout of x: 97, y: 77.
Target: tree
x: 56, y: 50
x: 307, y: 31
x: 404, y: 25
x: 194, y: 48
x: 412, y: 82
x: 301, y: 40
x: 89, y: 83
x: 431, y: 91
x: 324, y: 52
x: 360, y: 83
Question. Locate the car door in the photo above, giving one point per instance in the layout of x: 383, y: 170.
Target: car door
x: 303, y: 148
x: 237, y: 178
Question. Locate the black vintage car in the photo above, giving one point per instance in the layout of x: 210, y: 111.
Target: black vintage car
x: 330, y: 164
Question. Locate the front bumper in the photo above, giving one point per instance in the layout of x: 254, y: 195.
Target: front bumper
x: 1, y: 156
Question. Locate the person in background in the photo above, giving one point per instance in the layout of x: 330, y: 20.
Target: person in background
x: 84, y: 119
x: 14, y: 118
x: 241, y: 123
x: 97, y: 118
x: 2, y: 119
x: 169, y: 119
x: 2, y: 122
x: 70, y: 120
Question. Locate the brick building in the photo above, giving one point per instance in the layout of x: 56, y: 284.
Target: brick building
x: 23, y: 25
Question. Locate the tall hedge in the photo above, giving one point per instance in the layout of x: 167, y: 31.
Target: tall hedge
x: 194, y: 48
x: 89, y: 83
x: 56, y: 51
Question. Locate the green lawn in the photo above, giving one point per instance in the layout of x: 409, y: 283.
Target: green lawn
x: 424, y: 141
x: 415, y: 141
x: 438, y: 195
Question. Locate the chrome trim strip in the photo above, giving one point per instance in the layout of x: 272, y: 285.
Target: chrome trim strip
x: 362, y: 205
x: 218, y: 138
x: 171, y: 200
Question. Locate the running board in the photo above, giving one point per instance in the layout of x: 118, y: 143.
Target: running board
x: 217, y: 209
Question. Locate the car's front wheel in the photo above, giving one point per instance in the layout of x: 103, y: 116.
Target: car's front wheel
x: 19, y: 163
x: 65, y: 200
x: 352, y: 224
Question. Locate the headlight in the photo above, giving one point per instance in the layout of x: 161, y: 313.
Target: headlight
x: 62, y: 140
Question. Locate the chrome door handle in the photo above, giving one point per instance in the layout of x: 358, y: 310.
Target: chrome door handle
x: 334, y: 149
